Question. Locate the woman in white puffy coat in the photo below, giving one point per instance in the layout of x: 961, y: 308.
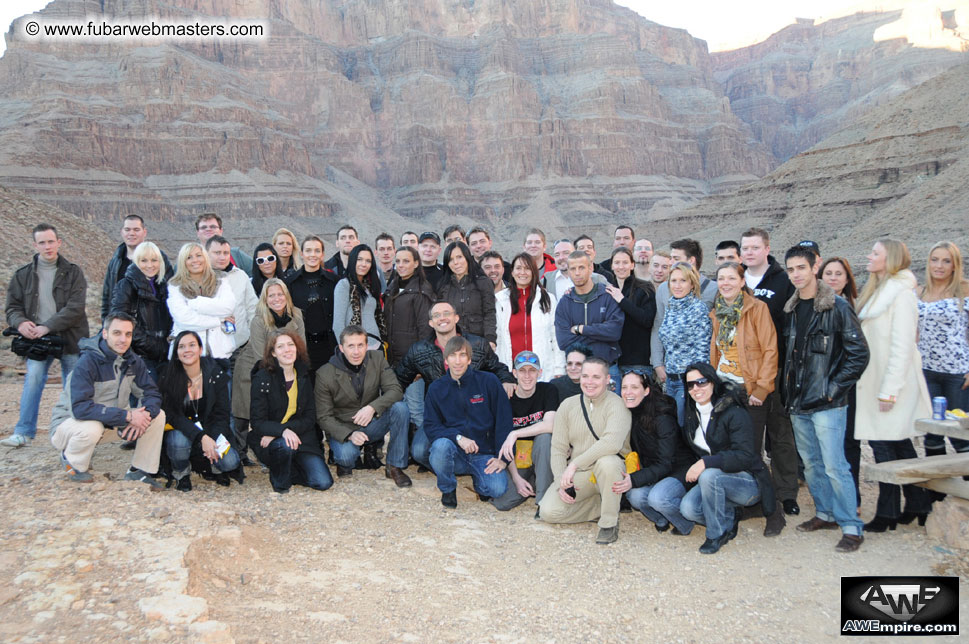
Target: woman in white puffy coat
x: 199, y: 301
x: 535, y: 331
x: 891, y: 393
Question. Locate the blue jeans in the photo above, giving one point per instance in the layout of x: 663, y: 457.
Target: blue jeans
x: 288, y: 468
x: 660, y: 503
x: 820, y: 440
x: 713, y: 499
x: 948, y: 385
x: 917, y: 499
x: 448, y: 461
x: 420, y: 448
x: 393, y: 420
x: 414, y: 397
x: 179, y: 449
x: 34, y: 383
x: 677, y: 390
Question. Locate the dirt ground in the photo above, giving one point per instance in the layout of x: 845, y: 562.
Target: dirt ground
x: 367, y: 562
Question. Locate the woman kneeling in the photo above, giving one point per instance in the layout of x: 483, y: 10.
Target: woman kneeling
x: 729, y: 472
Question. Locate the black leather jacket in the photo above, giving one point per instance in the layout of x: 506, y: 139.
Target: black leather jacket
x: 427, y: 359
x: 117, y: 266
x: 834, y: 357
x: 153, y: 322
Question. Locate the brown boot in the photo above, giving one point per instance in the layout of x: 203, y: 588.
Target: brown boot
x: 400, y: 477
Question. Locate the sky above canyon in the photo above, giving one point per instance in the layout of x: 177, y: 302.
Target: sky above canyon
x: 724, y: 25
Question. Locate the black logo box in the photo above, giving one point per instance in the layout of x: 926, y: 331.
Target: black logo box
x: 899, y: 600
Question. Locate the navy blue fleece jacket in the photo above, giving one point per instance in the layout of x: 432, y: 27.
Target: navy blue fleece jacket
x: 476, y: 406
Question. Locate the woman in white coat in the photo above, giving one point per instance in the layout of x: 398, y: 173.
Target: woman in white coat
x: 891, y: 393
x: 525, y: 317
x: 199, y: 301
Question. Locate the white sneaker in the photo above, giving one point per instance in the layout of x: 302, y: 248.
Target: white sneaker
x: 16, y: 440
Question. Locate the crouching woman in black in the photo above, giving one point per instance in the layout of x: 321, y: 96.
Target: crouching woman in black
x: 195, y: 398
x: 729, y: 473
x: 282, y: 416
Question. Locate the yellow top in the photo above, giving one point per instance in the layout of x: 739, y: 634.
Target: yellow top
x: 291, y: 407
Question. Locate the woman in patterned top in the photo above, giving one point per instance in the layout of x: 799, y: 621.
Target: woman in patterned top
x: 685, y: 331
x: 944, y: 336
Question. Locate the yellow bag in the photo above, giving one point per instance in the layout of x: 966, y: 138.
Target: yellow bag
x: 632, y: 465
x: 523, y: 453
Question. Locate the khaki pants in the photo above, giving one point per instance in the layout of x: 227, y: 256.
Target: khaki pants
x: 78, y: 438
x: 592, y: 500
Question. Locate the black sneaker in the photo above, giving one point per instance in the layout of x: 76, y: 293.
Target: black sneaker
x: 449, y: 500
x: 184, y: 484
x: 791, y: 507
x: 344, y: 472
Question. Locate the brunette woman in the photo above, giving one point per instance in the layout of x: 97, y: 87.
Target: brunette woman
x: 944, y: 338
x: 685, y: 331
x: 358, y: 299
x: 274, y: 311
x: 195, y: 398
x: 407, y: 303
x: 657, y: 488
x: 525, y: 318
x: 836, y: 273
x: 728, y: 473
x: 283, y: 431
x: 199, y: 301
x: 891, y: 392
x: 637, y: 299
x: 265, y: 266
x: 312, y: 290
x: 143, y: 294
x: 469, y: 291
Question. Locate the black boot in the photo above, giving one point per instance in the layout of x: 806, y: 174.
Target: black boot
x: 184, y: 484
x: 907, y: 517
x: 370, y: 459
x: 880, y: 524
x: 238, y: 475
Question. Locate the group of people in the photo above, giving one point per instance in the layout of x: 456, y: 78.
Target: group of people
x: 636, y: 382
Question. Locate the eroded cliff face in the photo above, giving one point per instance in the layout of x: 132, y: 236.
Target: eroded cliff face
x: 900, y: 171
x: 808, y: 80
x: 361, y: 110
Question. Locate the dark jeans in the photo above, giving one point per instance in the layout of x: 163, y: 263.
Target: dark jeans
x: 853, y: 445
x: 783, y: 453
x: 917, y: 499
x: 950, y: 386
x: 180, y: 448
x: 288, y: 468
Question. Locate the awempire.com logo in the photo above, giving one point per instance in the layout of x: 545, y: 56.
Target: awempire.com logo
x: 899, y: 606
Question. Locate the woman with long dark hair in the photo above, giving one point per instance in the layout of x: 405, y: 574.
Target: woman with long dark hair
x: 659, y: 484
x: 195, y: 398
x: 525, y: 319
x: 637, y: 299
x: 358, y: 298
x: 728, y: 473
x: 282, y: 416
x: 469, y: 291
x: 143, y: 294
x: 944, y: 338
x: 407, y: 303
x: 836, y: 273
x: 265, y: 266
x: 891, y: 392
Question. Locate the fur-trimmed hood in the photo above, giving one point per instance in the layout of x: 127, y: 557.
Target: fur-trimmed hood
x: 823, y: 299
x: 884, y: 297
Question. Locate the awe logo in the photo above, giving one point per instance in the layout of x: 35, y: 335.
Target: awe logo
x: 899, y: 601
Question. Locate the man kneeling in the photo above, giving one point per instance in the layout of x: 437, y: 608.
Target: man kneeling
x: 595, y: 426
x: 96, y: 397
x: 467, y: 417
x: 358, y: 399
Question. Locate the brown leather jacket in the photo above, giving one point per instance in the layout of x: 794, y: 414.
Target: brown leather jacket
x: 756, y: 341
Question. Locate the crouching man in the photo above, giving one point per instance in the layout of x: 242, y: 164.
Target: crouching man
x: 96, y: 397
x: 595, y: 426
x: 467, y: 418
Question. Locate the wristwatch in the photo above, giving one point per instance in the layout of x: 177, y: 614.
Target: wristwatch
x: 458, y: 439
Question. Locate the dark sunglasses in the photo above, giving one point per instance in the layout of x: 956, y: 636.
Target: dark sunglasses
x: 266, y: 259
x: 699, y: 382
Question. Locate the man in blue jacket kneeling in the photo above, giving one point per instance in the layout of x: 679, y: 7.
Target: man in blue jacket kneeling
x: 467, y: 417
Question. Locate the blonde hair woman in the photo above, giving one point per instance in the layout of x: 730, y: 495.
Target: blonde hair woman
x: 200, y: 302
x: 275, y: 311
x: 288, y: 257
x: 685, y: 332
x: 944, y: 336
x: 891, y: 392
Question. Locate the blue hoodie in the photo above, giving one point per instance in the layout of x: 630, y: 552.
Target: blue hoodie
x: 476, y: 406
x: 602, y: 321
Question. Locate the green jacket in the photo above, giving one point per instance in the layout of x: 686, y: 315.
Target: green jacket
x: 70, y: 292
x: 337, y: 400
